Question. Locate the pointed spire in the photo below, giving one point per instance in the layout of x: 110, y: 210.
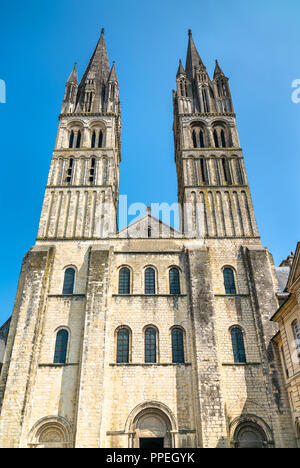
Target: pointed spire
x: 113, y: 73
x: 91, y: 90
x: 193, y: 59
x: 73, y: 78
x: 98, y: 67
x: 181, y: 70
x: 218, y: 70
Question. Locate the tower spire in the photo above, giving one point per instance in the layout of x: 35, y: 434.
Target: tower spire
x: 113, y: 73
x: 181, y: 70
x: 98, y: 67
x: 73, y: 78
x: 193, y: 59
x: 91, y: 91
x: 218, y: 70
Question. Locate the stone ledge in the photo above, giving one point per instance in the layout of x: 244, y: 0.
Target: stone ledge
x: 232, y: 295
x: 241, y: 364
x: 60, y: 365
x: 68, y: 296
x: 155, y: 364
x: 150, y: 295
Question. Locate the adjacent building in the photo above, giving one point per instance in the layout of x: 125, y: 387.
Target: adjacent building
x: 287, y: 340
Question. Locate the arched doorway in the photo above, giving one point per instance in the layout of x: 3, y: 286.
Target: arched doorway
x: 151, y: 426
x: 152, y: 431
x: 250, y: 435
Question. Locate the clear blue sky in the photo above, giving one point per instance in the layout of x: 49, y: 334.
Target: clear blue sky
x: 257, y: 45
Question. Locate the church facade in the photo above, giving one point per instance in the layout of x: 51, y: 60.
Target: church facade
x: 147, y: 337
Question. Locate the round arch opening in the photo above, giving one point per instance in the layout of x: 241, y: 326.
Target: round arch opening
x: 152, y: 430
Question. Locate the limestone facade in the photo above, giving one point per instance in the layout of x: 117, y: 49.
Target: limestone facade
x: 208, y: 398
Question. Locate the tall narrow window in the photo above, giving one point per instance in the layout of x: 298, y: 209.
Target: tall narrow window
x: 92, y: 171
x: 150, y: 281
x: 177, y: 346
x: 216, y: 139
x: 61, y: 347
x: 94, y: 139
x: 201, y: 139
x: 69, y: 171
x: 229, y: 282
x: 296, y: 331
x: 100, y: 141
x: 71, y: 141
x: 174, y: 282
x: 223, y: 139
x: 181, y: 88
x: 238, y: 345
x: 226, y: 171
x: 123, y: 346
x: 69, y: 281
x: 150, y: 345
x: 194, y: 139
x: 78, y: 142
x: 124, y: 281
x: 105, y: 171
x: 205, y: 101
x: 204, y: 171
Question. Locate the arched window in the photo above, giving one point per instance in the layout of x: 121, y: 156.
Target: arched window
x: 61, y: 347
x: 100, y: 141
x: 174, y: 281
x: 69, y: 281
x: 71, y: 141
x: 238, y: 345
x: 124, y: 281
x: 229, y: 282
x: 150, y: 345
x: 199, y: 136
x: 78, y: 142
x: 123, y: 346
x: 177, y: 346
x: 150, y: 281
x: 94, y: 139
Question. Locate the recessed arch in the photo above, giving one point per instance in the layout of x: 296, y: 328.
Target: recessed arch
x: 151, y: 419
x: 51, y: 432
x: 250, y: 431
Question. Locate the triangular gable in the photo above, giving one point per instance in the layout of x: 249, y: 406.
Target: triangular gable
x: 149, y: 227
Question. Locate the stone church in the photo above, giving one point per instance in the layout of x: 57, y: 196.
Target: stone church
x: 149, y: 337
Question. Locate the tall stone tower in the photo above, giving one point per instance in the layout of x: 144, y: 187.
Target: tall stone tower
x: 81, y: 200
x: 209, y: 159
x: 147, y: 337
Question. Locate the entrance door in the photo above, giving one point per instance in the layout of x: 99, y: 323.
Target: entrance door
x: 151, y: 443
